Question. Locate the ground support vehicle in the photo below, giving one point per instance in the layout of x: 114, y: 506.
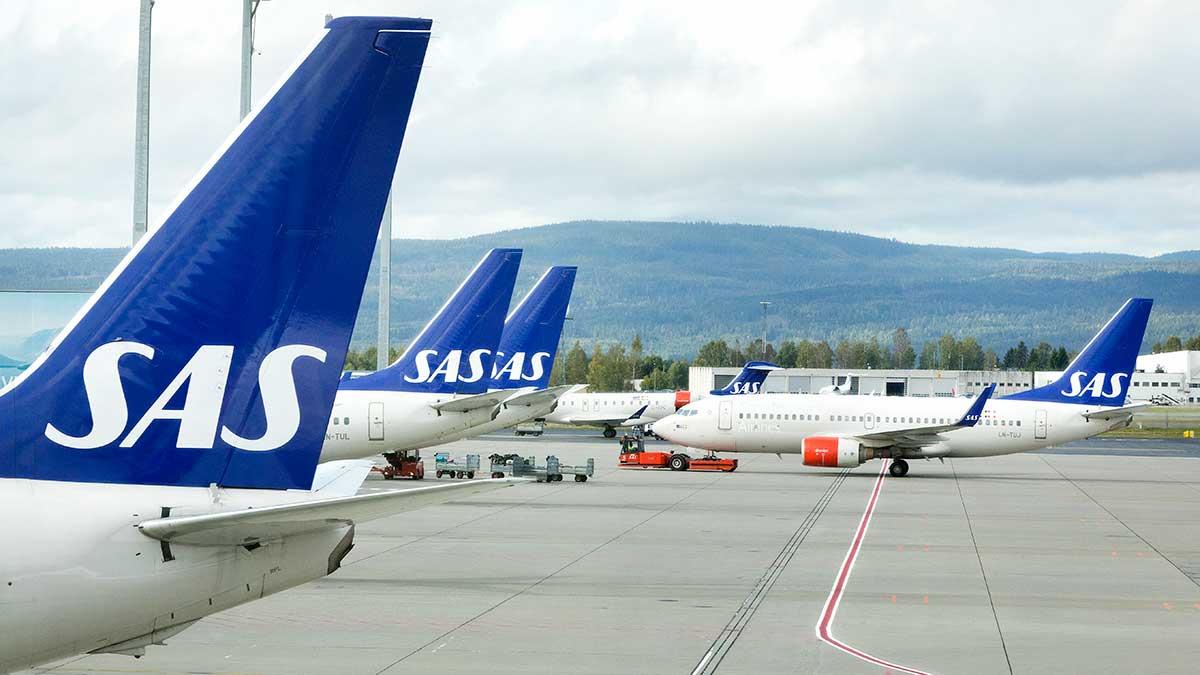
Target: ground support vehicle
x: 635, y: 455
x: 551, y: 472
x: 404, y: 464
x: 455, y: 467
x: 534, y: 428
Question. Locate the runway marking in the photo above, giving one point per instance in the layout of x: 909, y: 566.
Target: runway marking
x: 824, y: 626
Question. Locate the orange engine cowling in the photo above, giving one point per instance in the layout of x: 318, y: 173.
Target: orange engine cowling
x: 831, y: 451
x: 682, y: 398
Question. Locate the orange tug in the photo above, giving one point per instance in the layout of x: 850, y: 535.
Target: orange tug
x: 634, y: 455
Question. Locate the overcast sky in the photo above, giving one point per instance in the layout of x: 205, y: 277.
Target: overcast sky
x: 1047, y: 126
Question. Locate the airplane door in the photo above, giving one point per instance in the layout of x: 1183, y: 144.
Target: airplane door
x: 725, y: 416
x: 375, y: 422
x: 1039, y: 424
x: 869, y: 420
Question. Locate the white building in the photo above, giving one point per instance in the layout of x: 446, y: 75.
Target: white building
x: 908, y: 382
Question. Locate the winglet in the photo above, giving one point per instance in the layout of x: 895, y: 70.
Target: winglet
x: 638, y: 414
x: 972, y: 417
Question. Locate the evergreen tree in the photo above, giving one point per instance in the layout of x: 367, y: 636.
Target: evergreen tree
x: 903, y: 355
x: 787, y: 354
x: 677, y: 375
x: 576, y: 366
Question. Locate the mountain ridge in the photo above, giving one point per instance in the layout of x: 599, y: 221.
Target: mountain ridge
x: 681, y: 284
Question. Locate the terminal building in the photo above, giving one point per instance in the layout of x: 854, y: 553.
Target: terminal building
x: 1171, y: 378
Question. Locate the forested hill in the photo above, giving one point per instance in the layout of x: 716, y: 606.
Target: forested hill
x: 682, y: 284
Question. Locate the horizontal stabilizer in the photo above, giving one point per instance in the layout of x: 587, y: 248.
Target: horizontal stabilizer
x: 260, y: 524
x: 538, y: 396
x: 340, y: 478
x: 488, y: 399
x: 1116, y: 413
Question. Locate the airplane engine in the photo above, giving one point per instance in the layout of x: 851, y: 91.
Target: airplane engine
x: 831, y: 451
x: 682, y: 398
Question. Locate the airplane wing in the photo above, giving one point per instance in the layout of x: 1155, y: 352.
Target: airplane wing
x: 258, y: 524
x: 1113, y: 413
x: 489, y: 399
x: 916, y: 437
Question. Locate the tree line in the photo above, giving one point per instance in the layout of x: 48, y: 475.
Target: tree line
x: 614, y: 367
x: 1175, y: 343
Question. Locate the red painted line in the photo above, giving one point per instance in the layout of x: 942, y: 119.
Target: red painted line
x: 825, y: 625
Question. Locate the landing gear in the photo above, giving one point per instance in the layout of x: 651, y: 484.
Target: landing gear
x: 609, y: 432
x: 899, y: 468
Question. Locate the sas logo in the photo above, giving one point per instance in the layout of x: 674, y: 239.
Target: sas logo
x: 205, y: 376
x: 450, y: 368
x: 514, y: 369
x: 1095, y: 386
x: 745, y: 387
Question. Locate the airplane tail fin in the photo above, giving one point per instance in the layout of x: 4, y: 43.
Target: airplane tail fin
x: 453, y: 353
x: 749, y: 381
x: 212, y: 352
x: 1100, y: 374
x: 531, y: 332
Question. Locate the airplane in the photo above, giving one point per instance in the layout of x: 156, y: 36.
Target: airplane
x: 845, y: 431
x: 526, y: 354
x: 630, y: 409
x: 437, y: 388
x: 159, y: 459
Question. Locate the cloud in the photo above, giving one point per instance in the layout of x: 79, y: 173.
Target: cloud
x: 1051, y: 127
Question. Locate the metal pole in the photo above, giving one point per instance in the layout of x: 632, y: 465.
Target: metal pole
x: 248, y: 9
x: 765, y: 304
x: 383, y: 342
x: 141, y: 144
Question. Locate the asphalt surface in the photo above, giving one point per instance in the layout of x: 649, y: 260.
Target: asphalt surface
x: 1084, y: 558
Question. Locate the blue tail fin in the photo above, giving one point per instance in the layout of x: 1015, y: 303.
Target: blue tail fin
x: 1100, y: 374
x: 453, y: 352
x: 749, y: 381
x: 531, y: 333
x: 212, y: 352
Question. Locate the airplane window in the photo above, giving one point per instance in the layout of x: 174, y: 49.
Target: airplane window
x: 345, y: 420
x: 1018, y: 422
x: 739, y: 416
x: 335, y: 421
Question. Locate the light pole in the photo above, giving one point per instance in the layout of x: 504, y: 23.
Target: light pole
x: 765, y: 304
x: 249, y: 11
x: 141, y: 143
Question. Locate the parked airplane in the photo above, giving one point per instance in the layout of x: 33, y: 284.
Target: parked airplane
x: 844, y: 431
x: 630, y: 409
x: 526, y: 354
x: 159, y: 460
x: 438, y: 386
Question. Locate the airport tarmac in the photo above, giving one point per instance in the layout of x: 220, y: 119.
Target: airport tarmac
x: 1085, y: 559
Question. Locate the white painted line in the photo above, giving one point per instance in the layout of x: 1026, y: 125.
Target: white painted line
x: 825, y: 624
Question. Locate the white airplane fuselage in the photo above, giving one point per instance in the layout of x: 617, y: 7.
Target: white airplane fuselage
x: 591, y: 409
x: 365, y: 423
x: 85, y: 579
x: 779, y: 423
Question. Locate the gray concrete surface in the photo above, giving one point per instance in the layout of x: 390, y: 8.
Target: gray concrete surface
x: 1037, y: 563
